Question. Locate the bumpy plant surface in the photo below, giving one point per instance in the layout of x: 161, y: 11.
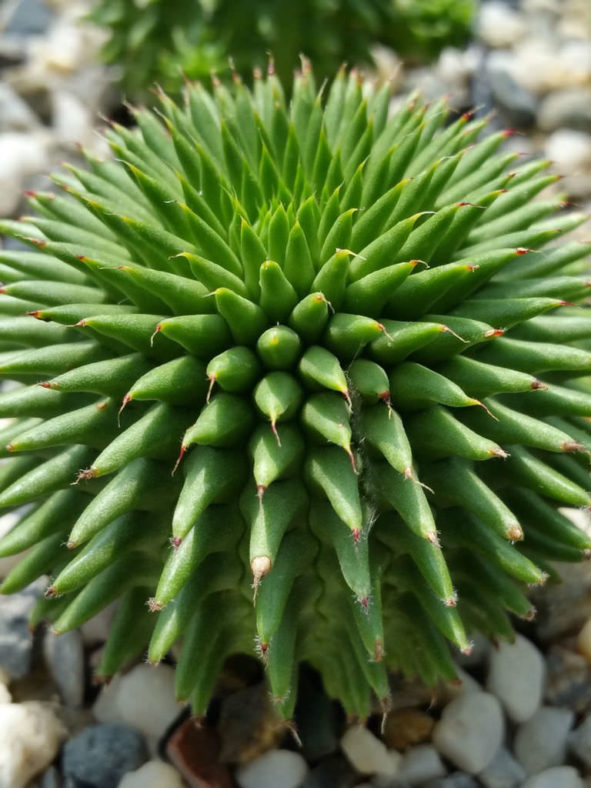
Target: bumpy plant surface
x: 156, y: 39
x: 295, y: 381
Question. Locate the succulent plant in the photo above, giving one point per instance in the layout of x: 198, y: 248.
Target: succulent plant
x: 157, y: 40
x: 299, y: 377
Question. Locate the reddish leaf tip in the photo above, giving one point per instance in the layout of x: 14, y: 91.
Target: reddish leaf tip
x: 515, y: 533
x: 153, y: 605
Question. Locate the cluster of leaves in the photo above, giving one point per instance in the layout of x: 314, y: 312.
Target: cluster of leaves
x: 156, y: 40
x: 340, y: 326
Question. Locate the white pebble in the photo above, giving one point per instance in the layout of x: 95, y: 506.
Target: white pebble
x: 144, y: 698
x: 558, y: 777
x: 503, y: 771
x: 105, y: 707
x: 64, y: 656
x: 274, y: 769
x: 569, y: 150
x: 20, y: 155
x: 499, y: 25
x: 30, y: 736
x: 366, y: 753
x: 96, y: 630
x: 516, y: 676
x: 153, y: 774
x: 470, y: 731
x: 579, y: 742
x: 5, y: 696
x: 420, y: 764
x: 541, y: 741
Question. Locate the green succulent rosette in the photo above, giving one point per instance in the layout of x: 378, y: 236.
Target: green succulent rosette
x: 298, y: 380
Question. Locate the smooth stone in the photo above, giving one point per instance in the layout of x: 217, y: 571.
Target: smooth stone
x: 20, y: 155
x: 96, y: 630
x: 558, y: 777
x: 407, y: 727
x: 503, y: 771
x: 153, y: 774
x: 541, y: 741
x: 30, y: 736
x: 105, y: 708
x: 579, y: 742
x: 563, y: 608
x: 248, y: 725
x: 499, y: 25
x: 100, y: 755
x: 64, y: 655
x: 27, y: 18
x: 470, y: 731
x: 16, y: 641
x: 570, y: 151
x: 515, y: 103
x: 274, y: 769
x: 366, y: 753
x: 15, y: 114
x: 51, y: 778
x: 568, y: 680
x: 144, y: 698
x: 464, y: 682
x: 5, y: 696
x: 454, y: 780
x: 420, y: 764
x: 72, y: 119
x: 516, y: 677
x: 566, y: 109
x: 194, y: 748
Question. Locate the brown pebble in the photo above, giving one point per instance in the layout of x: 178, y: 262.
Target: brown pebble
x: 194, y: 749
x: 248, y: 725
x: 406, y: 727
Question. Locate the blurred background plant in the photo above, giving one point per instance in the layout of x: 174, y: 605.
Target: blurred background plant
x: 160, y: 40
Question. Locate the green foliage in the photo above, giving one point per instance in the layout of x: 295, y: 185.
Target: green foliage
x: 154, y: 40
x: 300, y: 374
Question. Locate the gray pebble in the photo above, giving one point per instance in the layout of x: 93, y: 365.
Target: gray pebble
x: 27, y: 17
x: 470, y: 731
x: 15, y: 114
x: 100, y: 755
x: 516, y: 676
x: 503, y: 771
x: 569, y: 109
x: 558, y: 777
x: 516, y: 104
x: 579, y: 742
x: 455, y: 780
x: 64, y: 655
x: 541, y: 741
x: 16, y: 641
x: 569, y: 679
x: 420, y: 764
x: 51, y: 778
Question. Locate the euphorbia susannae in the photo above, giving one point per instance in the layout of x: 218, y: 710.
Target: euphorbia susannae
x: 296, y: 380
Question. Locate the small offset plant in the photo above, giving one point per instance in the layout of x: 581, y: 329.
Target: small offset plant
x: 295, y: 380
x: 158, y: 40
